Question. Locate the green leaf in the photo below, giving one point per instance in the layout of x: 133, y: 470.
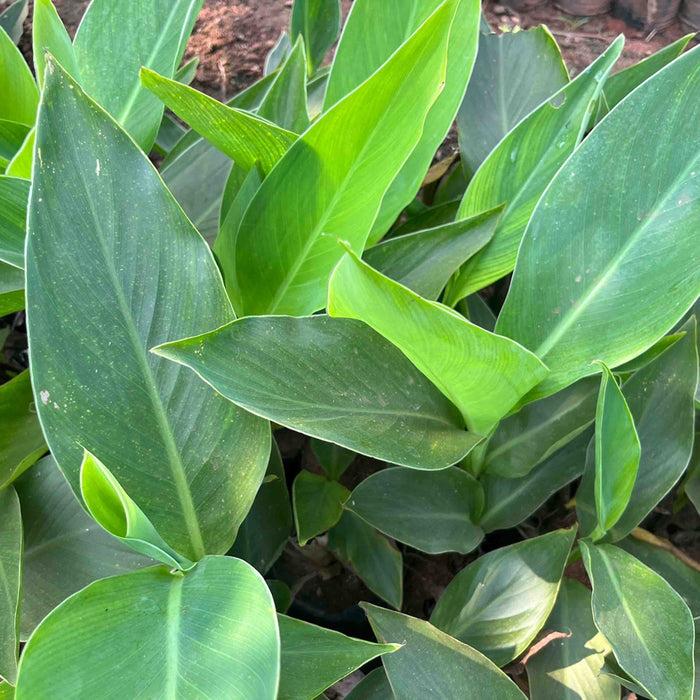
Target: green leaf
x: 49, y: 34
x: 539, y: 429
x: 12, y: 136
x: 114, y: 40
x: 187, y: 72
x: 334, y: 379
x: 285, y: 101
x: 513, y: 74
x: 637, y: 176
x: 14, y: 195
x: 661, y: 400
x: 169, y: 133
x: 521, y: 167
x: 64, y: 548
x: 649, y: 355
x: 500, y: 602
x: 283, y: 262
x: 172, y: 443
x: 264, y: 533
x: 425, y: 260
x: 431, y: 664
x: 316, y: 92
x: 457, y: 356
x: 629, y: 600
x: 333, y: 458
x: 374, y: 559
x: 478, y: 311
x: 427, y: 218
x: 617, y: 452
x: 278, y: 54
x: 374, y: 686
x: 10, y: 581
x: 570, y: 668
x: 314, y: 658
x: 385, y: 27
x: 318, y: 504
x: 20, y: 94
x: 281, y: 593
x: 209, y: 633
x: 242, y: 136
x: 12, y: 19
x: 21, y: 439
x: 318, y: 22
x: 510, y: 501
x: 21, y: 163
x: 431, y: 511
x: 7, y: 692
x: 117, y: 513
x: 11, y: 289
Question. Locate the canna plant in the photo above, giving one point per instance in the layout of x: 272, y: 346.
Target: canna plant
x: 299, y: 264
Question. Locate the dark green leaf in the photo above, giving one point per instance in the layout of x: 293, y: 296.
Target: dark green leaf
x: 11, y: 289
x: 14, y: 195
x: 333, y: 458
x: 374, y: 686
x: 318, y: 504
x: 10, y: 581
x: 318, y: 22
x: 12, y: 19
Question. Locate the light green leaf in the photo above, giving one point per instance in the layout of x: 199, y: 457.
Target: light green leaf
x: 11, y: 289
x: 510, y: 501
x: 242, y: 136
x: 347, y: 159
x: 14, y: 195
x: 21, y: 163
x: 374, y: 686
x: 64, y: 548
x: 7, y: 692
x: 173, y: 444
x: 519, y: 169
x: 10, y: 582
x: 629, y: 600
x: 318, y: 22
x: 209, y: 633
x: 316, y: 92
x: 17, y: 86
x: 374, y: 559
x: 49, y: 34
x: 431, y: 511
x: 334, y: 379
x: 333, y: 458
x: 457, y: 356
x: 539, y: 429
x: 570, y: 668
x: 500, y: 602
x: 314, y: 658
x: 617, y: 452
x: 268, y: 525
x: 649, y: 355
x: 12, y: 136
x: 12, y: 19
x: 513, y: 74
x: 318, y: 504
x: 114, y: 40
x: 432, y: 664
x: 600, y: 235
x: 21, y: 439
x: 285, y: 101
x: 425, y: 260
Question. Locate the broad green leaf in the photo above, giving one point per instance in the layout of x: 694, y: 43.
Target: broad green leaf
x: 431, y: 664
x: 599, y: 237
x: 114, y: 40
x: 333, y: 458
x: 17, y: 86
x: 374, y: 559
x: 278, y: 54
x: 519, y: 169
x: 11, y: 289
x: 318, y: 504
x: 649, y: 355
x: 457, y: 356
x: 209, y: 633
x: 240, y: 135
x: 661, y: 400
x: 617, y: 452
x: 514, y: 73
x: 12, y: 136
x: 172, y: 443
x: 7, y: 692
x: 569, y: 668
x: 12, y: 19
x: 620, y: 84
x: 117, y: 513
x: 539, y: 429
x: 427, y: 218
x: 14, y: 195
x: 373, y: 32
x: 374, y: 686
x: 425, y: 260
x: 500, y: 602
x: 314, y: 658
x: 334, y: 379
x: 285, y: 101
x: 318, y: 22
x: 267, y: 527
x: 510, y: 501
x: 64, y: 548
x: 347, y: 159
x: 10, y: 582
x: 21, y: 439
x: 21, y: 163
x: 629, y: 601
x: 431, y: 511
x: 49, y: 34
